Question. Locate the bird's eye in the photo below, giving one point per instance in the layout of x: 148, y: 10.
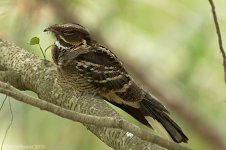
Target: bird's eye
x: 68, y: 32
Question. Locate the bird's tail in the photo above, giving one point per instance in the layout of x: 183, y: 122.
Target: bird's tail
x: 157, y: 116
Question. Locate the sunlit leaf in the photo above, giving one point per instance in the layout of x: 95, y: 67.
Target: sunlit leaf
x: 34, y: 41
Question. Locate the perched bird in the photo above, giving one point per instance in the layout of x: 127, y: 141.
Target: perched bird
x: 93, y: 69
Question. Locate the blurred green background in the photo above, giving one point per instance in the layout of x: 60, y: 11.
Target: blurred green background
x: 172, y: 41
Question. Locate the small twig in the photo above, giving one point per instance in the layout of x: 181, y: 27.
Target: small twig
x: 10, y: 124
x: 3, y: 102
x: 219, y: 36
x: 48, y: 47
x: 44, y: 56
x: 89, y: 119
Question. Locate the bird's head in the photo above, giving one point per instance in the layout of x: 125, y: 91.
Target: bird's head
x: 69, y: 35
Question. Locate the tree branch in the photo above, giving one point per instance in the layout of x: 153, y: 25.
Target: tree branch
x: 219, y: 36
x: 111, y: 122
x: 13, y: 77
x: 40, y: 77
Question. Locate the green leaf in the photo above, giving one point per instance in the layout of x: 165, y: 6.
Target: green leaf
x: 34, y: 41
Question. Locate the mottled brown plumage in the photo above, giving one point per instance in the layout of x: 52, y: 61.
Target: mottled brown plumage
x: 93, y: 69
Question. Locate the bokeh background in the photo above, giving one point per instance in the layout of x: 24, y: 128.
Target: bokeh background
x: 170, y: 45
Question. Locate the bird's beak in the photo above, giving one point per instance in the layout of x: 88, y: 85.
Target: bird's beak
x: 52, y: 28
x: 49, y: 29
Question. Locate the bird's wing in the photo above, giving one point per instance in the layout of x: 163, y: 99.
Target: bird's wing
x: 101, y: 67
